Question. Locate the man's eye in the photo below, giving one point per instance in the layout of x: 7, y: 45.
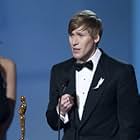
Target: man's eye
x: 81, y: 34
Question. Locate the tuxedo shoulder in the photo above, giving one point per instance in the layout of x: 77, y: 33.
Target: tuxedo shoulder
x: 117, y: 62
x: 117, y: 65
x: 116, y: 69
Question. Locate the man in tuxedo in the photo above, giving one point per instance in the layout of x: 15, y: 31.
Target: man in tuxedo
x: 93, y: 96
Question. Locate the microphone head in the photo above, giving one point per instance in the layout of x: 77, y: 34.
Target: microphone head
x: 68, y: 87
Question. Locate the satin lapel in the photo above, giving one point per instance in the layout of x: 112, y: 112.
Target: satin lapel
x: 94, y: 95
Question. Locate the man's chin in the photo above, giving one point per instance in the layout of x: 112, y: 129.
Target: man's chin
x: 77, y: 58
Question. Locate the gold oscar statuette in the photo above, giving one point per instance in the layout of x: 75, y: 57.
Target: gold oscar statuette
x: 21, y: 112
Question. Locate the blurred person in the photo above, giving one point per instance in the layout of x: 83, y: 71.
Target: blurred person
x: 8, y: 93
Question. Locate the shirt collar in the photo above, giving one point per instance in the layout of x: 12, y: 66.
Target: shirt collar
x: 95, y: 57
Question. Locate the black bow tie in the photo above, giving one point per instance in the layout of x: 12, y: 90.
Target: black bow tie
x: 79, y: 66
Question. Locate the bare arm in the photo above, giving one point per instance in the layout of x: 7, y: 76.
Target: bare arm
x: 10, y: 70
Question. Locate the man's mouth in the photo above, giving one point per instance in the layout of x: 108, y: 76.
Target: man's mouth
x: 76, y: 50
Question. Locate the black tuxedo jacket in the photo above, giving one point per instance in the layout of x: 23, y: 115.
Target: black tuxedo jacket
x: 111, y: 112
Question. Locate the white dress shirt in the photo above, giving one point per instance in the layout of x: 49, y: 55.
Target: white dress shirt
x: 83, y: 82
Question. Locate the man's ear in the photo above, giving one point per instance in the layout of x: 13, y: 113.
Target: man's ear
x: 97, y: 38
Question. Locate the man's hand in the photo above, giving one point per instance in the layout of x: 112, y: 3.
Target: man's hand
x: 65, y: 103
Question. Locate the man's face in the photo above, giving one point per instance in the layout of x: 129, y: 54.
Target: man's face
x: 82, y: 44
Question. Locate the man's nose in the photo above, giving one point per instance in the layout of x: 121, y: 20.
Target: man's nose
x: 75, y: 41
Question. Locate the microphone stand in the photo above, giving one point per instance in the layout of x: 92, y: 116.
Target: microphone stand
x: 64, y: 86
x: 59, y: 120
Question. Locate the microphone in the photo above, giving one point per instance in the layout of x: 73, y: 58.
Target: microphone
x: 64, y: 87
x: 67, y: 88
